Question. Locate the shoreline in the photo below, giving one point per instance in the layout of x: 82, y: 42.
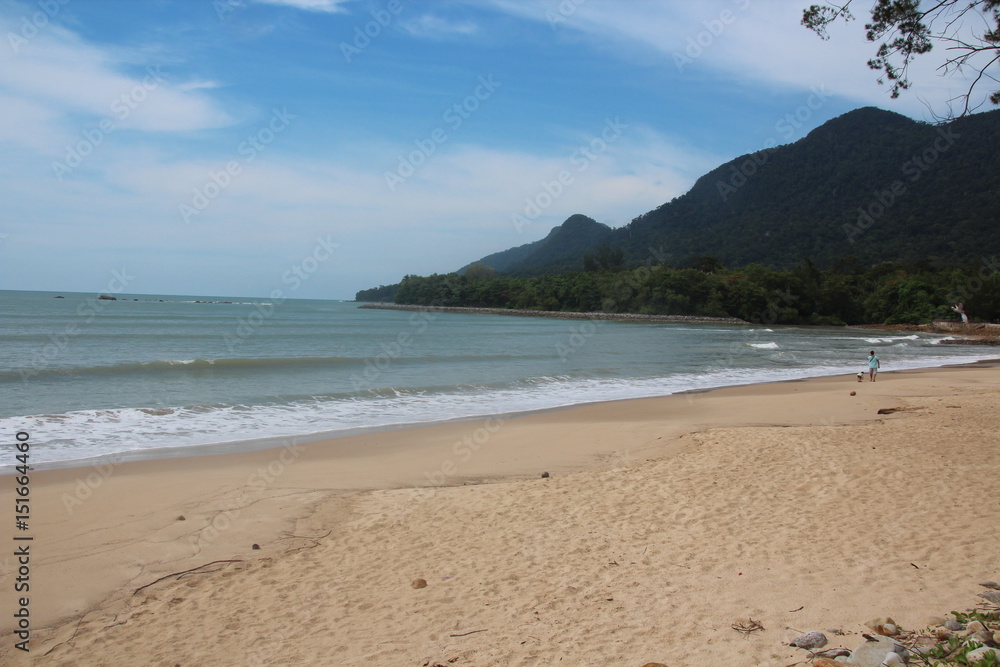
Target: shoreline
x: 277, y: 442
x: 558, y: 314
x: 977, y: 333
x: 230, y: 501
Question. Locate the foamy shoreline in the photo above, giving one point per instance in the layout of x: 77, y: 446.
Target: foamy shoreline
x: 663, y: 521
x: 278, y: 441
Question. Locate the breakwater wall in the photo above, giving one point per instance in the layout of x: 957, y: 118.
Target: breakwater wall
x: 558, y: 314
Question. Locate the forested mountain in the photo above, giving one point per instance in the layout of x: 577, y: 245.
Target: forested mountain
x: 872, y: 217
x: 871, y: 184
x: 561, y: 250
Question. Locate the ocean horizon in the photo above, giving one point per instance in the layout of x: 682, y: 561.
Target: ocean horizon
x: 147, y: 376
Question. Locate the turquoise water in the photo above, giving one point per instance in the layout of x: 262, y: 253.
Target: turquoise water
x: 88, y: 378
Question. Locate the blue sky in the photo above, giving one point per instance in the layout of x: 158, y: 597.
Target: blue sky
x: 318, y: 147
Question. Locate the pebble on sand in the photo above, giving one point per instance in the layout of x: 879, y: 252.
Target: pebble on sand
x: 884, y: 626
x: 827, y: 662
x: 980, y: 654
x: 810, y: 640
x: 419, y: 583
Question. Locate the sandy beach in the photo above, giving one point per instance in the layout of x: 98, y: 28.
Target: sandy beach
x: 661, y: 524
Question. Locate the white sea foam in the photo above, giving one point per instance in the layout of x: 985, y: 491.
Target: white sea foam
x: 88, y: 433
x: 320, y: 369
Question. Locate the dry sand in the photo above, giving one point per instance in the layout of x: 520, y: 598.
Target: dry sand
x: 664, y: 522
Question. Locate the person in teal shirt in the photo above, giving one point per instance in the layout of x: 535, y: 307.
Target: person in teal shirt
x: 873, y: 365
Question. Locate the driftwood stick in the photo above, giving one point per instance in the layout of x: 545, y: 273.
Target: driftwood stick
x: 178, y: 574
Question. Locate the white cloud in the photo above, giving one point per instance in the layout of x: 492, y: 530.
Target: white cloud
x: 754, y: 44
x: 323, y: 6
x: 27, y: 124
x: 73, y: 84
x: 429, y: 26
x: 198, y: 84
x: 456, y: 207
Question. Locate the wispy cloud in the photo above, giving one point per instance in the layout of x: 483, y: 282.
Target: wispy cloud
x: 59, y: 84
x: 198, y: 84
x: 436, y: 27
x: 323, y: 6
x: 751, y: 43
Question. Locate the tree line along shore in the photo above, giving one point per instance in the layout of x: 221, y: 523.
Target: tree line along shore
x: 891, y: 293
x: 521, y: 312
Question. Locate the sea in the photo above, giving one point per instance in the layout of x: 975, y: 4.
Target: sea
x: 154, y: 376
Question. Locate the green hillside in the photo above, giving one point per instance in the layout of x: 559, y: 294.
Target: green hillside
x: 561, y: 250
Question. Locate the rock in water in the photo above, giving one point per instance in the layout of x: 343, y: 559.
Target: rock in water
x: 810, y: 640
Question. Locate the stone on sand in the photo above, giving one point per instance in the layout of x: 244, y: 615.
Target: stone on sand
x: 872, y: 654
x: 810, y: 640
